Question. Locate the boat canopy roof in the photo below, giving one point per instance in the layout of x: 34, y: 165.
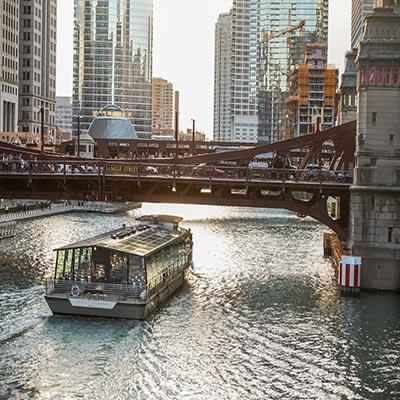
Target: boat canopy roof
x: 140, y: 240
x: 160, y: 218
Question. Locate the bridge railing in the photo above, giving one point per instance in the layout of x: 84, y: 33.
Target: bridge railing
x: 112, y: 167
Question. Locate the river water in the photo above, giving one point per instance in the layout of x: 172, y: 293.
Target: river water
x: 259, y: 318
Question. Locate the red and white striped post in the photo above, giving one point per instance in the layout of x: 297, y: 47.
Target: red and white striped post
x: 350, y: 274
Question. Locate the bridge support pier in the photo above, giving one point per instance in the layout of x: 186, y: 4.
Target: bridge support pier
x: 375, y: 228
x: 375, y: 194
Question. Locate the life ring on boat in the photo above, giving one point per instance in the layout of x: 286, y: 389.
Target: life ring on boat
x: 143, y: 295
x: 75, y: 291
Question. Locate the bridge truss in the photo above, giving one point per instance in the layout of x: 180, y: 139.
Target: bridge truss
x: 228, y: 181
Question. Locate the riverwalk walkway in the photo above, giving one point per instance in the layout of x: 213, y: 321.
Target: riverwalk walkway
x: 37, y: 213
x: 56, y: 209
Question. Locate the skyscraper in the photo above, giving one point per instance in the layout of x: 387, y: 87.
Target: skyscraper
x: 37, y: 66
x: 236, y: 75
x: 281, y: 52
x: 359, y: 10
x: 259, y: 70
x: 223, y: 79
x: 9, y: 14
x: 63, y: 115
x: 113, y: 60
x: 245, y: 60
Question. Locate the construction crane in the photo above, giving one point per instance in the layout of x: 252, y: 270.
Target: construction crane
x: 274, y: 76
x: 268, y: 36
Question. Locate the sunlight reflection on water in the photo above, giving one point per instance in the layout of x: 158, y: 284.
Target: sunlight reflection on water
x: 260, y: 317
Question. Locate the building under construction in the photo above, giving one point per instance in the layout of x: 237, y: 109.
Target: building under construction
x: 286, y: 27
x: 312, y: 93
x: 256, y: 44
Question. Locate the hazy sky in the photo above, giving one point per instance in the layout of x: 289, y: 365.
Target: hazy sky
x: 184, y: 50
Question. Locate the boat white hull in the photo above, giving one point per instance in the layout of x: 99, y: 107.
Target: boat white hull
x: 67, y: 304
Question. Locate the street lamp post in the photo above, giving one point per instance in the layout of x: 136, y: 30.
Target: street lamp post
x: 42, y: 115
x: 42, y: 128
x: 193, y: 136
x: 176, y: 133
x: 78, y: 126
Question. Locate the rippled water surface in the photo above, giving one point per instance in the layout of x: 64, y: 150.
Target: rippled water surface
x: 259, y: 318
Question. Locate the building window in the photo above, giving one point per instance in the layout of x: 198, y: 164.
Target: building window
x: 374, y: 117
x: 390, y: 234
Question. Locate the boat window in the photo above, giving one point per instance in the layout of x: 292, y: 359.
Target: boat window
x: 151, y: 268
x: 118, y: 268
x: 83, y: 260
x: 136, y: 270
x: 100, y: 267
x: 60, y: 264
x: 67, y: 264
x: 97, y: 272
x: 78, y: 276
x: 167, y: 260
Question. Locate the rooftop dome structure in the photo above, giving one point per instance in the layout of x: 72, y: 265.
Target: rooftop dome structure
x: 111, y: 122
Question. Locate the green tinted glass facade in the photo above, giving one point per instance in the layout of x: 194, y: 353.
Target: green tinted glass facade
x: 280, y: 54
x: 113, y: 60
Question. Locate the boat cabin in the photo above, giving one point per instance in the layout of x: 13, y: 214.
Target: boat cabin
x: 143, y: 256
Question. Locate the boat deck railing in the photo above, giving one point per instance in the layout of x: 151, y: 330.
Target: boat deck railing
x: 97, y: 290
x: 123, y: 292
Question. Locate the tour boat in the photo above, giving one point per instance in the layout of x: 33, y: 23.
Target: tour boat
x: 125, y: 273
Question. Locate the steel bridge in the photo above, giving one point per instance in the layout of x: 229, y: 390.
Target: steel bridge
x: 212, y: 179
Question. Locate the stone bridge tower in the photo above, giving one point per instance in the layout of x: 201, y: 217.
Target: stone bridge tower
x: 375, y: 195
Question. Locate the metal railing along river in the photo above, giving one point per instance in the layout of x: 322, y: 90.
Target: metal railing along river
x: 37, y: 212
x: 7, y: 229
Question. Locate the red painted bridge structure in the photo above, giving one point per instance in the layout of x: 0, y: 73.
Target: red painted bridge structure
x: 221, y: 179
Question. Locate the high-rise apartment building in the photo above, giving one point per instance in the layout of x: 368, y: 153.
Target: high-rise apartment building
x: 259, y: 68
x: 63, y: 113
x: 37, y: 66
x: 245, y: 61
x: 113, y: 60
x: 236, y: 73
x: 9, y: 14
x: 223, y: 79
x: 163, y: 104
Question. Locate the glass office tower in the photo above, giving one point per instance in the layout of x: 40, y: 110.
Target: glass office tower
x: 359, y: 10
x: 282, y: 53
x: 254, y: 98
x: 113, y: 60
